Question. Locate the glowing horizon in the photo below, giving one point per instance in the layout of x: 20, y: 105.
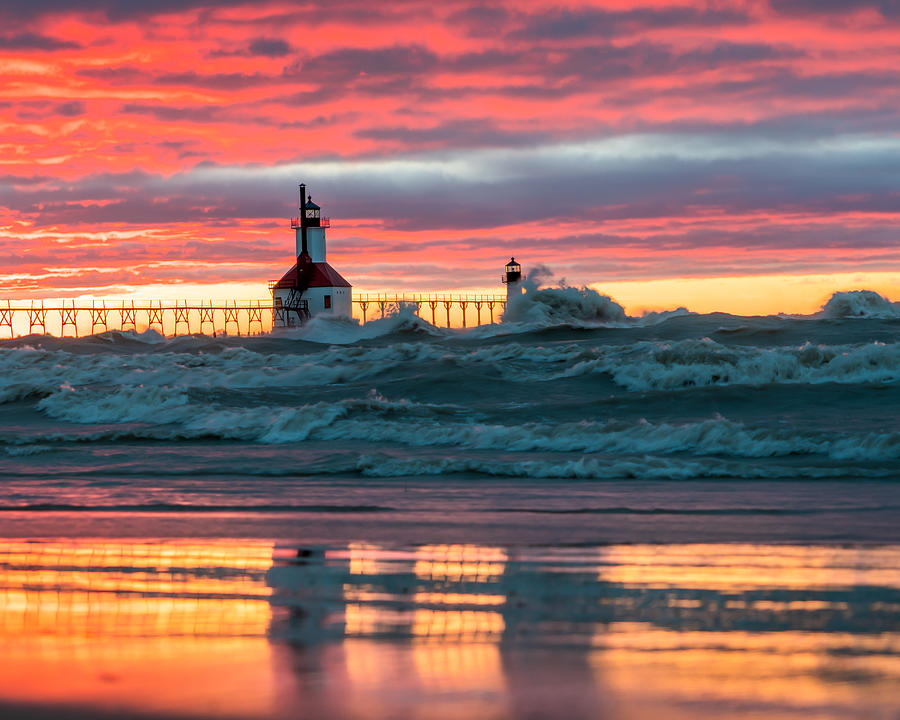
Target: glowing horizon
x: 667, y: 154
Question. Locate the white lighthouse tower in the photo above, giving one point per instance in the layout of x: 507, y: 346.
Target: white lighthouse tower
x: 513, y: 280
x: 312, y: 287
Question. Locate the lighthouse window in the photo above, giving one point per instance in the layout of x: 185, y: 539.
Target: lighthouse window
x: 327, y: 301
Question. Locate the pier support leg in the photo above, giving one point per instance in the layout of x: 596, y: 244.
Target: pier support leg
x: 6, y: 316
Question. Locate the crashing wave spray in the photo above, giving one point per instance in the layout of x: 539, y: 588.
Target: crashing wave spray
x: 544, y: 306
x: 860, y: 303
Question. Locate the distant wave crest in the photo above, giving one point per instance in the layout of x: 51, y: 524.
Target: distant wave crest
x: 860, y: 304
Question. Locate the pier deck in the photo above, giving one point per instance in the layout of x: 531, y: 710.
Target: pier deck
x: 62, y: 318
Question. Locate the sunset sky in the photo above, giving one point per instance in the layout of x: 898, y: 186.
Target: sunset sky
x: 732, y: 153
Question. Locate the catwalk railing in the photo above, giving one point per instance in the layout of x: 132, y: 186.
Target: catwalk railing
x: 432, y: 302
x: 100, y: 316
x: 247, y: 317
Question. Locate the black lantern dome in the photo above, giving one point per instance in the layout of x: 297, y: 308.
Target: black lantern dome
x: 513, y: 271
x: 312, y: 212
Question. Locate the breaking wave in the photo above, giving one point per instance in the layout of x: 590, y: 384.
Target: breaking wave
x: 860, y: 304
x: 158, y: 385
x: 687, y: 364
x: 400, y: 320
x: 576, y: 307
x: 170, y: 414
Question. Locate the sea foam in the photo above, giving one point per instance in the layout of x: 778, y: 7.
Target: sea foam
x: 860, y: 304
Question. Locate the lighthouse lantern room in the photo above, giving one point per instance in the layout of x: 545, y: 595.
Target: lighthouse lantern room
x: 312, y: 287
x: 513, y: 279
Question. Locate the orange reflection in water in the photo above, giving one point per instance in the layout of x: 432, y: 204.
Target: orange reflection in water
x: 133, y: 626
x: 475, y: 563
x: 449, y: 663
x: 451, y: 631
x: 802, y: 663
x: 461, y: 567
x: 790, y: 672
x: 744, y: 567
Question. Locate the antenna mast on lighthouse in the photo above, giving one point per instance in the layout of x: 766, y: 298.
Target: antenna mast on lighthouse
x: 302, y: 207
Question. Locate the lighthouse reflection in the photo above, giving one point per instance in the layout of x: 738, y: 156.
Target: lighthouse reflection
x: 250, y: 629
x: 632, y: 630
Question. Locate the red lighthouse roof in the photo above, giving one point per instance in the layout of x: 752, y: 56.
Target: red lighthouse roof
x: 323, y: 275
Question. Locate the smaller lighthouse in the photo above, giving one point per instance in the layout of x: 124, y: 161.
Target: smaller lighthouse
x: 513, y: 280
x: 312, y: 287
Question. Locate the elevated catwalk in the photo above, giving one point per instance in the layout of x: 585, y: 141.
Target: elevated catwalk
x: 174, y: 317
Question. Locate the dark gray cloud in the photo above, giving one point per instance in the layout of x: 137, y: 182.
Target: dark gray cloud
x: 132, y: 251
x: 258, y: 47
x: 567, y: 24
x: 317, y: 121
x: 220, y: 81
x: 114, y: 10
x: 482, y: 20
x: 121, y: 74
x: 305, y: 98
x: 480, y: 61
x: 196, y: 113
x: 129, y: 75
x: 502, y: 188
x: 349, y: 64
x: 269, y: 47
x: 72, y: 108
x: 782, y: 82
x: 31, y: 41
x: 609, y: 62
x: 18, y: 13
x: 10, y: 180
x: 41, y: 109
x: 888, y: 8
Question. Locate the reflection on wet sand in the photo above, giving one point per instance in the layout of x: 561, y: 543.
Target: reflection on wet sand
x: 136, y: 625
x: 248, y: 629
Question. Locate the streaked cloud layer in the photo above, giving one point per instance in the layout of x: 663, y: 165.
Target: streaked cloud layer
x: 161, y: 142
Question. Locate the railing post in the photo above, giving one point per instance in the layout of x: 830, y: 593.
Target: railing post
x: 128, y: 316
x: 37, y: 318
x: 6, y: 318
x: 99, y: 316
x: 182, y: 315
x: 155, y: 317
x: 254, y: 315
x: 67, y: 316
